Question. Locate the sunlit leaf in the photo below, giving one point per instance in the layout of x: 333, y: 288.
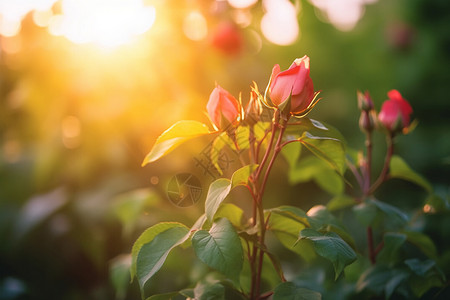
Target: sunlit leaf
x: 332, y: 247
x: 232, y: 212
x: 240, y: 177
x: 288, y: 291
x: 146, y: 237
x: 292, y: 212
x: 152, y: 255
x: 177, y: 134
x: 216, y: 149
x: 219, y: 189
x: 242, y: 137
x: 220, y: 248
x: 398, y: 168
x: 331, y: 150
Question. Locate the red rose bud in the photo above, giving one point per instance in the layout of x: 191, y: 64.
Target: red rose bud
x: 293, y: 84
x: 253, y: 109
x: 364, y: 101
x: 227, y: 38
x: 223, y: 109
x: 395, y: 112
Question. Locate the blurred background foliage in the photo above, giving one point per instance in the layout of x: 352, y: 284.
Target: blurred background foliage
x: 83, y: 98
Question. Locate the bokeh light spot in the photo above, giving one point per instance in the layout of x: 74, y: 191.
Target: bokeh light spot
x: 279, y: 25
x: 195, y: 27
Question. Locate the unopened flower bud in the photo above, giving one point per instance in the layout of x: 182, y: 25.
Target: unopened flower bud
x: 364, y: 101
x: 254, y: 108
x: 367, y: 121
x: 395, y: 113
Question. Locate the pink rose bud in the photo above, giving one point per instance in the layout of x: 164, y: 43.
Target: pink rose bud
x: 394, y: 114
x: 295, y: 83
x: 223, y: 109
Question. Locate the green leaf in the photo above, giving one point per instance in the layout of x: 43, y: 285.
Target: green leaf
x: 286, y: 228
x: 146, y: 237
x: 288, y: 291
x: 381, y: 278
x: 219, y: 189
x: 398, y: 168
x: 209, y: 291
x: 427, y: 275
x: 177, y: 134
x: 165, y: 296
x: 232, y: 212
x: 240, y: 176
x: 220, y: 248
x: 242, y: 137
x: 313, y: 168
x: 332, y: 247
x: 217, y: 146
x: 119, y: 275
x: 292, y: 212
x: 392, y: 244
x: 331, y: 150
x: 393, y: 214
x: 365, y: 213
x: 340, y: 202
x: 152, y: 255
x: 291, y: 153
x: 423, y: 242
x: 319, y: 217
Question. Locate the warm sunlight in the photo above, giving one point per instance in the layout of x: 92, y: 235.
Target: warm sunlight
x: 107, y: 23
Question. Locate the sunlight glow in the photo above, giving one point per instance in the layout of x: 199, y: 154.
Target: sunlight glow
x: 279, y: 25
x: 343, y: 14
x: 106, y: 23
x: 13, y: 12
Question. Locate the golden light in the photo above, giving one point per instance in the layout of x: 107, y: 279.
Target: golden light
x: 279, y: 25
x: 107, y: 23
x: 13, y: 12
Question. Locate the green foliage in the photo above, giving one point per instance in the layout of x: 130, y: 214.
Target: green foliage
x: 219, y: 189
x: 288, y: 291
x: 332, y: 247
x: 220, y: 248
x: 180, y: 132
x: 152, y: 255
x: 400, y: 169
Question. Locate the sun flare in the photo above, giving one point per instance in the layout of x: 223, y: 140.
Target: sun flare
x: 107, y: 23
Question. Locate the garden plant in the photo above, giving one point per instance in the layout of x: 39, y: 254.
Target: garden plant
x: 376, y: 248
